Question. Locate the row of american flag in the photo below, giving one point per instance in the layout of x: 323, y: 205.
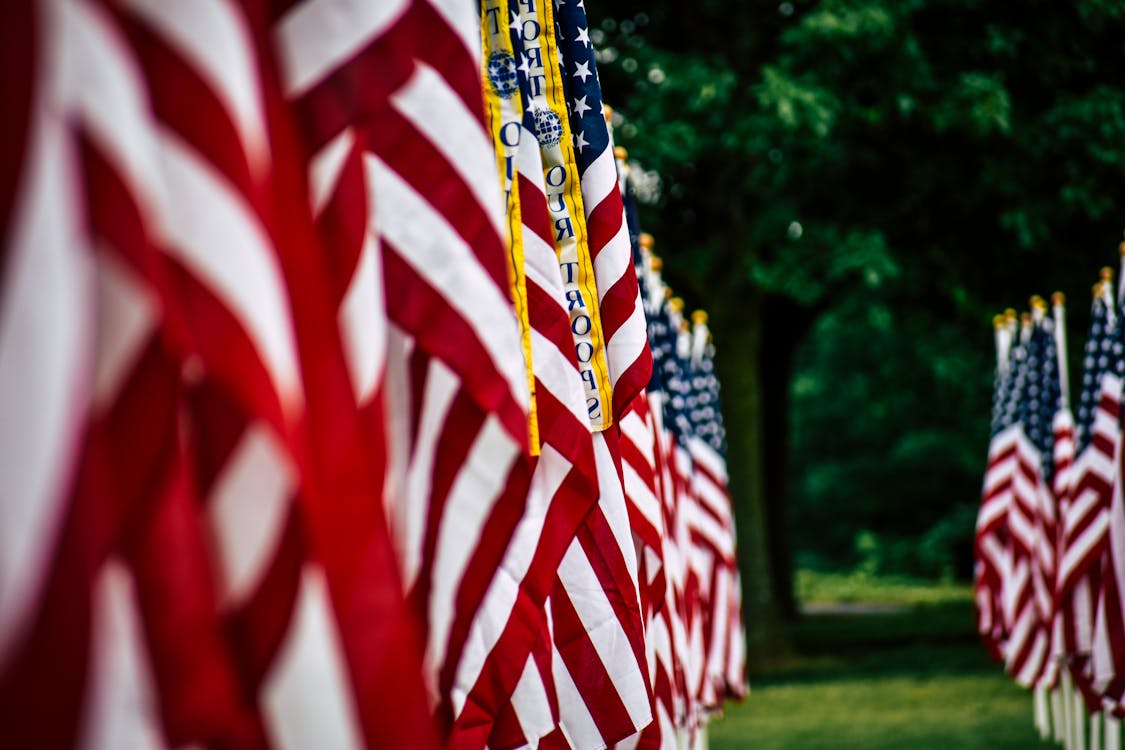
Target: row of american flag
x: 1050, y: 536
x: 342, y: 402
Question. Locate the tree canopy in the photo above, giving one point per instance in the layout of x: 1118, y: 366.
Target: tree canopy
x: 864, y: 183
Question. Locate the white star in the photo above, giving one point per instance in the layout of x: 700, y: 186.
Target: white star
x: 582, y: 4
x: 515, y: 25
x: 582, y: 70
x: 584, y: 36
x: 525, y: 65
x: 580, y: 142
x: 580, y: 106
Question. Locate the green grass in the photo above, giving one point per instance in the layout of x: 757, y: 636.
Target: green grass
x: 915, y: 677
x: 857, y: 586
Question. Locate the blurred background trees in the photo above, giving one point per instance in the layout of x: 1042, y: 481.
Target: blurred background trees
x: 853, y: 188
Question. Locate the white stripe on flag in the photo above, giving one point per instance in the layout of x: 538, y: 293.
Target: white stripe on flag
x: 318, y: 36
x: 306, y: 696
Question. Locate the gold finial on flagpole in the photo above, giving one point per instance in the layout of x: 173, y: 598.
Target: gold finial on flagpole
x: 656, y: 264
x: 1037, y: 303
x: 1058, y: 299
x: 677, y: 304
x: 1107, y: 272
x: 646, y: 240
x: 699, y: 317
x: 608, y: 112
x: 620, y: 152
x: 998, y: 321
x: 1097, y: 289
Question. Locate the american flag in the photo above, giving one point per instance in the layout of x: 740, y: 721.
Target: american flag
x: 715, y: 529
x: 590, y: 678
x: 623, y: 318
x: 991, y: 536
x: 677, y: 628
x: 640, y: 451
x: 459, y: 470
x: 523, y: 711
x: 1108, y: 647
x: 1085, y: 516
x: 1028, y: 590
x: 1050, y: 512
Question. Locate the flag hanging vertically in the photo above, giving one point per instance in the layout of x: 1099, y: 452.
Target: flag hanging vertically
x: 1085, y: 514
x: 622, y: 314
x: 992, y: 533
x: 458, y: 483
x: 1028, y: 590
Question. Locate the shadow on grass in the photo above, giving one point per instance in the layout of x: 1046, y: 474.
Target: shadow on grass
x: 925, y: 639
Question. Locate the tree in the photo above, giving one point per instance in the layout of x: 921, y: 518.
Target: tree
x: 885, y: 172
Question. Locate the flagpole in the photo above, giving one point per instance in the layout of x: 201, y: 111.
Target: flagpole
x: 1121, y: 276
x: 1057, y: 716
x: 1003, y: 342
x: 1042, y: 717
x: 1079, y: 720
x: 1058, y: 299
x: 1107, y: 292
x: 1112, y: 733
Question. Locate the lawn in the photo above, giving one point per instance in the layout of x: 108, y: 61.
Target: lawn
x: 881, y: 664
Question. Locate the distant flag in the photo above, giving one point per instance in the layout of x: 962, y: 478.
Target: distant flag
x: 1085, y: 513
x: 1028, y: 591
x: 725, y: 636
x: 1108, y: 648
x: 641, y: 458
x: 1048, y: 528
x: 991, y: 536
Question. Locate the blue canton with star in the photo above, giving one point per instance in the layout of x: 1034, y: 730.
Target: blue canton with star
x: 1004, y: 399
x: 706, y: 418
x: 1011, y: 386
x: 1042, y: 396
x: 1101, y: 354
x: 670, y: 374
x: 580, y: 74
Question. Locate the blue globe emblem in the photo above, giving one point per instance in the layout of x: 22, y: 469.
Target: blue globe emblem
x: 548, y: 127
x: 502, y: 74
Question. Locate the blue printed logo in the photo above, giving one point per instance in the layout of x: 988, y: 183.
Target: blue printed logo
x: 548, y: 127
x: 502, y: 74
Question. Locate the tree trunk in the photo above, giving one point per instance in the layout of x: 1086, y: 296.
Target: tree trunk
x: 784, y: 325
x: 738, y: 330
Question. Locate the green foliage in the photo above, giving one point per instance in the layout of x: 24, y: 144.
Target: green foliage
x: 889, y: 174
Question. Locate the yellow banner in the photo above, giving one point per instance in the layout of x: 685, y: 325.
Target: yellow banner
x: 504, y: 112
